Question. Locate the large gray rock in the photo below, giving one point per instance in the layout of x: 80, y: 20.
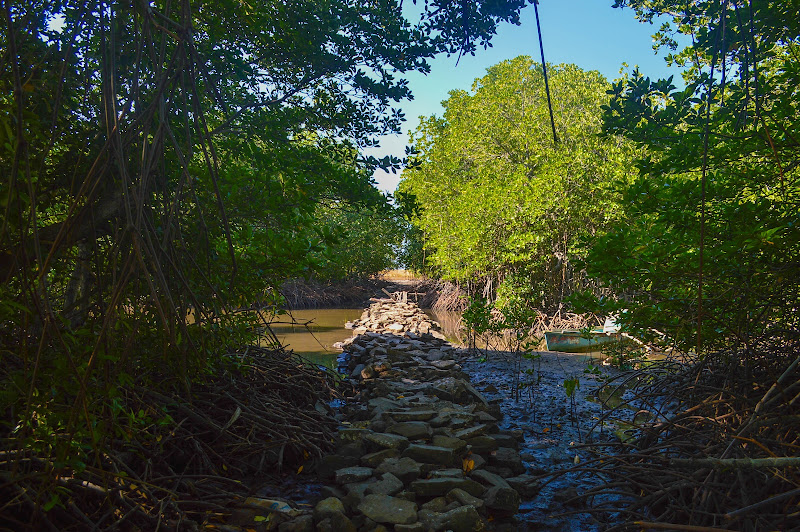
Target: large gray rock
x: 462, y: 519
x: 353, y: 474
x: 386, y: 509
x: 406, y: 469
x: 464, y: 498
x: 413, y: 430
x: 456, y: 444
x: 476, y: 395
x: 430, y: 454
x: 387, y: 441
x: 387, y: 485
x: 327, y: 507
x: 443, y: 364
x: 471, y: 432
x: 508, y: 458
x: 482, y: 444
x: 378, y: 405
x: 435, y: 487
x: 446, y: 473
x: 461, y: 420
x: 502, y: 501
x: 350, y: 434
x: 489, y: 479
x: 396, y: 328
x: 486, y: 417
x: 375, y: 459
x: 437, y: 504
x: 441, y: 420
x: 434, y: 355
x: 448, y: 388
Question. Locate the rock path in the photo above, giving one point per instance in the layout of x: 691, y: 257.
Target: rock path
x: 421, y: 449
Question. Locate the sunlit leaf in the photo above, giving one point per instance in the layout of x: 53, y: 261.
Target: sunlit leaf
x: 468, y: 464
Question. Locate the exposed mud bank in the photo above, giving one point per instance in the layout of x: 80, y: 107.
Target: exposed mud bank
x: 553, y: 427
x: 356, y: 293
x: 308, y: 294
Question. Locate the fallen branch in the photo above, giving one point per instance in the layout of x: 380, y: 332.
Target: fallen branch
x: 230, y: 427
x: 692, y: 465
x: 673, y: 526
x: 763, y: 503
x: 737, y: 463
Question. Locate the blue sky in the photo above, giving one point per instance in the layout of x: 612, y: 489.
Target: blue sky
x: 588, y: 33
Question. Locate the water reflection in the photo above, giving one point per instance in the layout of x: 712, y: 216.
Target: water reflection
x: 450, y: 322
x: 452, y: 327
x: 314, y: 332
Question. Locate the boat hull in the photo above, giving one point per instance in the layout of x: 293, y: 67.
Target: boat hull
x: 575, y: 342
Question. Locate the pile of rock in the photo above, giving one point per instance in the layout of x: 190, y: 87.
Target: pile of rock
x: 422, y: 450
x: 394, y: 317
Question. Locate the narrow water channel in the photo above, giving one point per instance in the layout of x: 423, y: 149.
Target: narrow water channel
x: 311, y: 333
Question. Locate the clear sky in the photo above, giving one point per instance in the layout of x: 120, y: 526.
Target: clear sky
x: 588, y: 33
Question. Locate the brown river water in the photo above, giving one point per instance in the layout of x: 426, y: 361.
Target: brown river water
x: 311, y: 333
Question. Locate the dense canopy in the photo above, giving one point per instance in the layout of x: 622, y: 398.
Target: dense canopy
x: 498, y: 201
x: 165, y: 166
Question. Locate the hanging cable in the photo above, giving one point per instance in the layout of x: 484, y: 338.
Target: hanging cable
x: 704, y: 173
x: 544, y: 70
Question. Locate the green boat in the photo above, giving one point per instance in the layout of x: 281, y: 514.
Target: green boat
x: 574, y: 341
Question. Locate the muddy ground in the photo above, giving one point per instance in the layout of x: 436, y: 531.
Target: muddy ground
x: 553, y: 425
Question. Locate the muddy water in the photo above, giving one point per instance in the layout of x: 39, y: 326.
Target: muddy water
x: 451, y: 325
x: 312, y: 332
x: 452, y: 329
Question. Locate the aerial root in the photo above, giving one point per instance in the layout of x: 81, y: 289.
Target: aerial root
x: 256, y: 418
x: 718, y: 450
